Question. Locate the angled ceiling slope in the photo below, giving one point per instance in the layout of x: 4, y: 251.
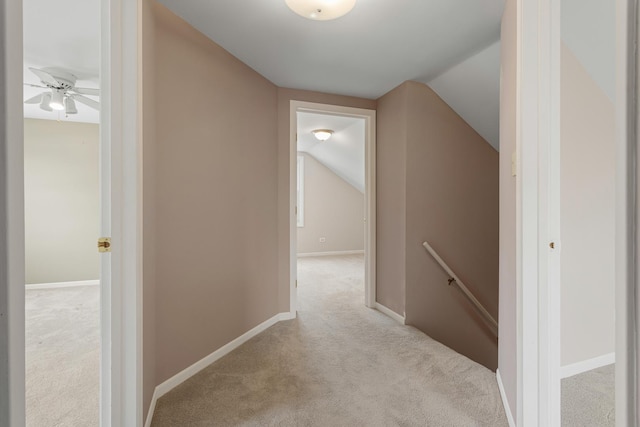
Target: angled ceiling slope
x: 343, y: 153
x: 377, y: 46
x: 589, y: 31
x: 472, y: 89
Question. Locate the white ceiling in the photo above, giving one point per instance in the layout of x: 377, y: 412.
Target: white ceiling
x: 472, y: 89
x: 343, y: 153
x: 64, y: 34
x: 366, y: 53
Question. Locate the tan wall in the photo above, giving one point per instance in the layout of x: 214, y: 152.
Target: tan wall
x: 61, y: 201
x: 333, y: 209
x: 451, y: 202
x: 507, y: 344
x: 149, y: 229
x: 437, y: 182
x: 391, y: 199
x: 587, y: 215
x: 215, y: 204
x: 285, y: 163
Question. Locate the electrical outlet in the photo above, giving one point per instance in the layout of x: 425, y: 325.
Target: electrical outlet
x: 323, y: 239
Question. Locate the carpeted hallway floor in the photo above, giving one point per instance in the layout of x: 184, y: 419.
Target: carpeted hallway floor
x: 338, y: 364
x: 62, y: 352
x: 588, y: 399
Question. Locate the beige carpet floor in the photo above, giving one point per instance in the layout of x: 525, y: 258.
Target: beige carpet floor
x: 588, y: 399
x: 62, y: 357
x: 338, y: 364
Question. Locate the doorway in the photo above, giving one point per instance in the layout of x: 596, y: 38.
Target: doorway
x: 347, y: 165
x: 120, y: 290
x: 62, y: 213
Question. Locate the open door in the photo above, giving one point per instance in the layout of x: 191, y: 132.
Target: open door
x: 121, y: 282
x: 121, y: 207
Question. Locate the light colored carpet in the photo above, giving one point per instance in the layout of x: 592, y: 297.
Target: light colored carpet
x: 588, y: 399
x: 338, y: 364
x: 62, y: 357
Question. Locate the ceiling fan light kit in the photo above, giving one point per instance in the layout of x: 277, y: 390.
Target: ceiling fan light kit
x: 70, y: 106
x: 45, y: 102
x: 57, y: 100
x: 321, y: 10
x: 62, y: 92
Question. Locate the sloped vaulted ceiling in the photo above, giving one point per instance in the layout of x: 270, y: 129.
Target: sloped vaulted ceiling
x: 343, y: 153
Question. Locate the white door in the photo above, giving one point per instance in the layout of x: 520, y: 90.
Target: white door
x: 121, y: 281
x: 121, y: 197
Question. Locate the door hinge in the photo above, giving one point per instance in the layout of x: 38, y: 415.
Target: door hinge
x: 104, y: 244
x: 296, y: 283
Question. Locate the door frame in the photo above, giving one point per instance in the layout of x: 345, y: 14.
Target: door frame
x: 538, y: 213
x: 12, y: 274
x: 121, y: 381
x: 370, y: 193
x: 627, y: 219
x: 538, y: 140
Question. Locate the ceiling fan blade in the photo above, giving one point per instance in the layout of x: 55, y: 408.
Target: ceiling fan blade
x: 45, y: 77
x: 86, y: 91
x: 86, y: 101
x: 38, y: 86
x: 34, y: 100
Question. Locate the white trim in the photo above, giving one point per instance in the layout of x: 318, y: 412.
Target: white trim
x: 300, y: 191
x: 587, y: 365
x: 152, y: 408
x: 57, y: 285
x: 505, y: 401
x: 334, y: 253
x: 12, y: 345
x: 121, y: 209
x: 627, y: 245
x: 370, y: 193
x: 537, y: 213
x: 392, y: 314
x: 201, y: 364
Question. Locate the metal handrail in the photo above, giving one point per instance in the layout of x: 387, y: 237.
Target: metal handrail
x: 486, y: 316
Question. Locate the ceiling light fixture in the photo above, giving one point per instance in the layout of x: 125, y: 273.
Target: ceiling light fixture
x: 322, y: 134
x: 70, y: 106
x: 321, y: 10
x: 46, y: 100
x: 57, y: 100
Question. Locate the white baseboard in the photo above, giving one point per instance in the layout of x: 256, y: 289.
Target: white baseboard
x: 287, y: 316
x: 152, y: 408
x: 505, y: 402
x: 56, y: 285
x: 392, y: 314
x: 334, y: 253
x: 587, y: 365
x: 187, y: 373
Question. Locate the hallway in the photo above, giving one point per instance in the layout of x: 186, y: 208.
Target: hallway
x: 338, y: 364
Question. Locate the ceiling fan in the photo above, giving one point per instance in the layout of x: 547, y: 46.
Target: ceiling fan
x: 61, y: 92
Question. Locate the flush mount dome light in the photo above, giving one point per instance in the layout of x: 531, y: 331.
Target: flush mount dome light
x: 321, y: 10
x: 322, y: 134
